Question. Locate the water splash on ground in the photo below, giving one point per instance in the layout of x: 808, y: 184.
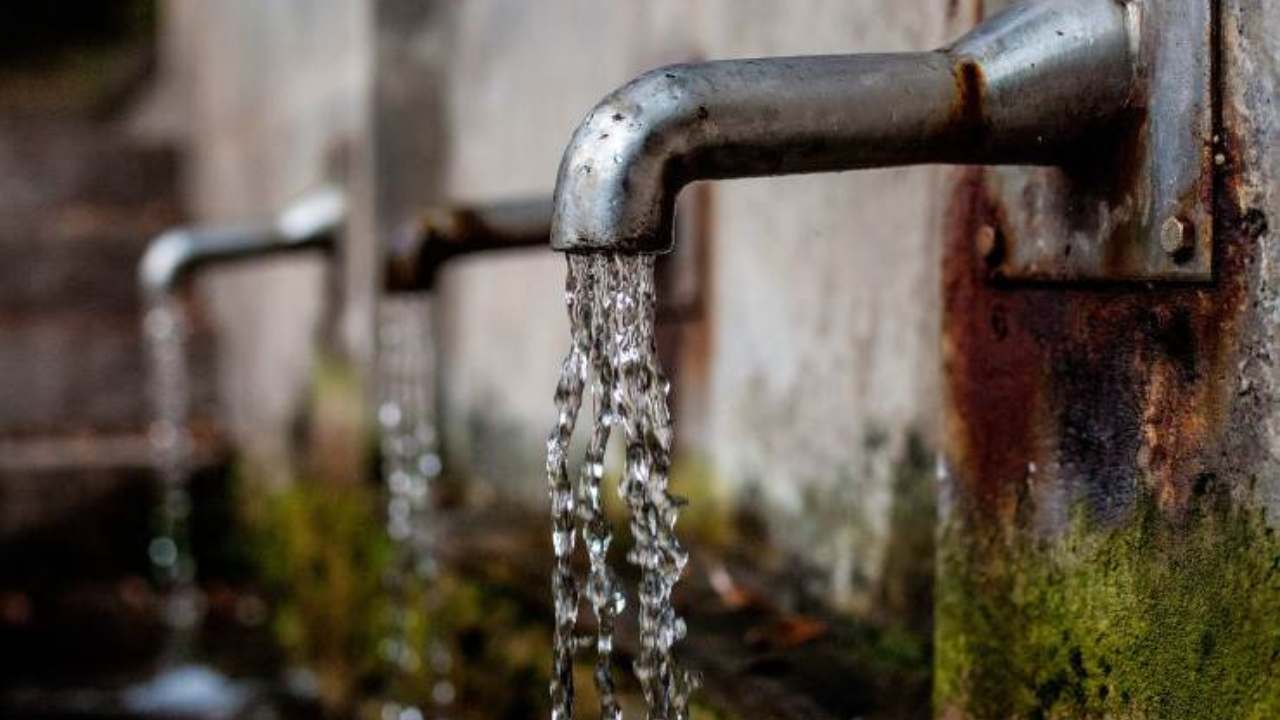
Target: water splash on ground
x: 611, y: 303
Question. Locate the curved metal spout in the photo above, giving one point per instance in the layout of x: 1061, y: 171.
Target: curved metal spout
x: 310, y: 224
x: 442, y: 234
x: 1020, y: 89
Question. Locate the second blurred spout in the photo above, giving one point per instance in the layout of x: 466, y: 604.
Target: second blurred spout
x: 441, y: 234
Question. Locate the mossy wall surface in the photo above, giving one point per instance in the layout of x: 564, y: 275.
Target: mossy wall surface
x: 1149, y: 619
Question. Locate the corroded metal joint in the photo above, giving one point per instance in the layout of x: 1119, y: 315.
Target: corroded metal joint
x: 439, y: 235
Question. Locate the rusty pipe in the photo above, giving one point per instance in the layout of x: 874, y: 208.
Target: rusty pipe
x: 311, y: 224
x: 1021, y: 88
x: 437, y: 236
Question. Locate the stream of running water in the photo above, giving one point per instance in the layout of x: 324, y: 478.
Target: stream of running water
x: 165, y: 329
x: 411, y: 462
x: 612, y: 356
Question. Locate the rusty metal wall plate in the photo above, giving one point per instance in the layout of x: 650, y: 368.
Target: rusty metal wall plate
x: 1136, y: 206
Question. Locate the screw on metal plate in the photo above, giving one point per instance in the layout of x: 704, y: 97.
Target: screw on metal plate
x: 1133, y: 203
x: 1178, y: 238
x: 989, y: 244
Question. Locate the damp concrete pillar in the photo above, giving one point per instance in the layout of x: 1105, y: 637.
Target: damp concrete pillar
x: 1110, y: 484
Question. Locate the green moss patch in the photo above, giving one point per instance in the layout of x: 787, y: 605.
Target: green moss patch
x: 1156, y: 617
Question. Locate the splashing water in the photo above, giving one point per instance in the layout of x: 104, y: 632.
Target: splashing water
x: 165, y: 329
x: 611, y: 303
x: 406, y: 417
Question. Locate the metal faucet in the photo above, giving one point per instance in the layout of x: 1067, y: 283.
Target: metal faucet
x: 439, y: 235
x: 311, y: 224
x: 1022, y: 88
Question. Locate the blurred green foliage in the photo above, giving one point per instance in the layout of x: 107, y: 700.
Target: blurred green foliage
x: 321, y: 550
x: 329, y: 569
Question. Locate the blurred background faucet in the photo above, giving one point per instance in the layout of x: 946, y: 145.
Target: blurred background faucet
x: 311, y: 224
x: 438, y: 235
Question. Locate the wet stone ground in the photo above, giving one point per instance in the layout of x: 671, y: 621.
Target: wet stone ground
x: 761, y: 652
x: 75, y: 638
x: 81, y: 632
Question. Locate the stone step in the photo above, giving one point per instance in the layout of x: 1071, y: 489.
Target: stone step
x: 52, y: 163
x: 77, y: 370
x: 90, y: 274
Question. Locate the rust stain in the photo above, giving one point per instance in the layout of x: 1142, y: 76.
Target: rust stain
x: 993, y: 367
x: 1111, y: 386
x: 968, y: 112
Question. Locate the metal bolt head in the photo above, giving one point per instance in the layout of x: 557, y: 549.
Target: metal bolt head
x: 988, y: 243
x: 1177, y: 236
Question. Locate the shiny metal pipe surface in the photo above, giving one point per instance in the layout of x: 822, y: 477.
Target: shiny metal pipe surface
x: 1020, y: 89
x: 309, y: 225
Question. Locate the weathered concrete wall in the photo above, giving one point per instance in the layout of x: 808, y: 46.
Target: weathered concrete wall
x: 807, y: 383
x: 519, y: 82
x: 825, y: 316
x: 277, y: 103
x: 1110, y: 494
x: 816, y: 356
